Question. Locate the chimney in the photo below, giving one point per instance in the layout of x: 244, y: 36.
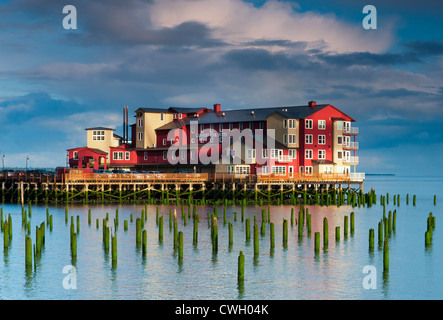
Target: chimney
x: 217, y: 107
x: 127, y: 124
x: 124, y: 126
x: 312, y: 104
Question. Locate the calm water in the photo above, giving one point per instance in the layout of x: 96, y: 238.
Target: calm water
x: 292, y: 273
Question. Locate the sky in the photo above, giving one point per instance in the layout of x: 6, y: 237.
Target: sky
x: 55, y: 82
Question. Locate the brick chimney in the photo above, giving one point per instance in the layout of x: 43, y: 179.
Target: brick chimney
x: 312, y: 104
x: 217, y: 107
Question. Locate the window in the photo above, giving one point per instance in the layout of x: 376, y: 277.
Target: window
x: 279, y: 169
x: 242, y: 169
x: 180, y: 115
x: 164, y: 142
x: 308, y: 170
x: 292, y: 154
x: 322, y: 124
x: 75, y: 155
x: 339, y: 125
x: 117, y: 155
x: 308, y: 154
x: 140, y: 123
x: 240, y: 126
x: 230, y: 169
x: 274, y: 153
x: 322, y: 154
x: 193, y: 154
x: 98, y: 135
x: 321, y: 139
x: 220, y: 127
x: 265, y: 170
x: 339, y: 140
x: 339, y: 154
x: 292, y: 138
x: 327, y: 169
x: 145, y: 155
x: 292, y: 123
x: 251, y: 153
x: 140, y: 136
x: 308, y: 139
x: 231, y: 126
x: 127, y: 155
x: 165, y: 154
x: 285, y: 138
x: 264, y: 153
x: 308, y: 124
x: 285, y: 123
x: 183, y: 154
x: 162, y: 116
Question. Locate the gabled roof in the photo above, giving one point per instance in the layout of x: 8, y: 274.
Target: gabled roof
x: 94, y: 150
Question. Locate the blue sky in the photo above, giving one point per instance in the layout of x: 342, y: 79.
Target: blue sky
x: 150, y: 53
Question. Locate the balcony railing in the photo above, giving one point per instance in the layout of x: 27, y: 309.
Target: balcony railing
x: 350, y: 160
x: 350, y: 145
x: 284, y: 158
x: 350, y: 130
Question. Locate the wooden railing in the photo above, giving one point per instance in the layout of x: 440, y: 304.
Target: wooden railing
x: 78, y: 177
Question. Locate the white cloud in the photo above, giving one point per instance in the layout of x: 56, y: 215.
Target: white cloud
x: 237, y: 22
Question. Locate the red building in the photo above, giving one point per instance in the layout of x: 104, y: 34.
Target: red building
x: 306, y: 139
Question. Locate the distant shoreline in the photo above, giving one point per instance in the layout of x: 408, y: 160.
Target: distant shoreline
x: 380, y: 174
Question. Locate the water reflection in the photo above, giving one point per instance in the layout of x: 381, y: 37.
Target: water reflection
x: 284, y: 272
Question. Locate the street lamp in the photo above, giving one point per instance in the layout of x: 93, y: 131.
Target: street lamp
x: 27, y: 158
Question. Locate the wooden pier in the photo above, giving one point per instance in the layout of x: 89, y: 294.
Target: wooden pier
x: 77, y: 186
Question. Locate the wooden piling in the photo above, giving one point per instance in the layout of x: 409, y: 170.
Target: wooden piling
x: 285, y: 233
x: 180, y: 246
x: 256, y: 247
x: 386, y: 255
x: 371, y: 239
x: 144, y: 242
x: 271, y: 226
x: 325, y: 232
x: 317, y: 243
x: 160, y: 229
x: 241, y: 268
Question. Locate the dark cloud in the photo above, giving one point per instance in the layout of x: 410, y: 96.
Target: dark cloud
x: 425, y: 48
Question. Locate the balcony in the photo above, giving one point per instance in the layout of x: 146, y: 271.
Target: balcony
x: 352, y: 131
x: 283, y: 158
x: 350, y: 160
x: 357, y: 176
x: 350, y: 145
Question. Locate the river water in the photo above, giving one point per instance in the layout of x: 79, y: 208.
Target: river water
x: 294, y: 272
